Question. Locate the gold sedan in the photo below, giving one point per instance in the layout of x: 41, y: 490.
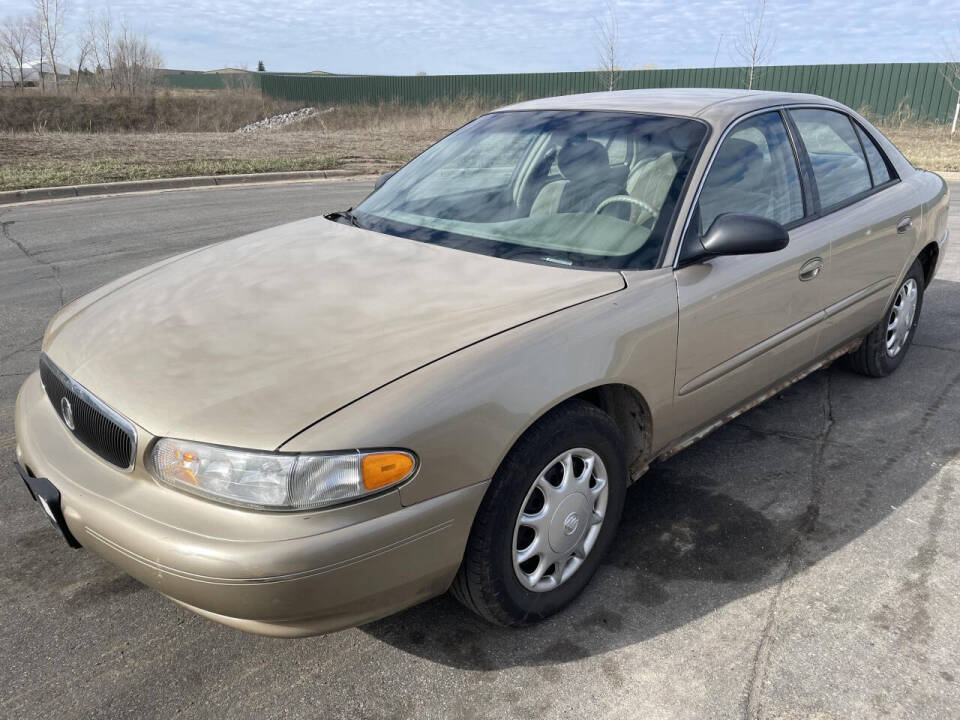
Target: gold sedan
x: 453, y: 384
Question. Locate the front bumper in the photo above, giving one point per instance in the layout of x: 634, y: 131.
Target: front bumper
x: 281, y: 574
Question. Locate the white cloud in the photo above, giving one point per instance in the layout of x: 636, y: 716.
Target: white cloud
x: 455, y: 36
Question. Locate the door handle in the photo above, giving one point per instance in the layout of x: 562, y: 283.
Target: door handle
x: 904, y: 224
x: 811, y: 268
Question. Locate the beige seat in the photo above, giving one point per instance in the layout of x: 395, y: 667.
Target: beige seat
x: 585, y: 169
x: 650, y: 182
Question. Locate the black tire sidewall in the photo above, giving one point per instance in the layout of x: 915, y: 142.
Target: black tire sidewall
x: 886, y: 364
x: 591, y: 429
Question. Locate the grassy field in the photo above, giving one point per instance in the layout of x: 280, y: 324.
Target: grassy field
x: 927, y: 146
x: 49, y: 159
x: 367, y: 139
x: 180, y: 111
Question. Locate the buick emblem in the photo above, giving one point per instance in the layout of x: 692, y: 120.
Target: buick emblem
x: 571, y: 523
x: 66, y: 412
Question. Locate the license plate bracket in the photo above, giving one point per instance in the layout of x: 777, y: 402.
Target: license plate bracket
x: 47, y: 496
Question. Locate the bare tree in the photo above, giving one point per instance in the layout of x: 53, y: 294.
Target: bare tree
x: 39, y: 41
x: 6, y: 65
x: 124, y: 61
x: 134, y: 62
x: 99, y: 34
x: 17, y: 43
x: 84, y: 51
x: 755, y: 44
x: 49, y: 21
x: 608, y: 47
x: 951, y: 73
x: 717, y: 53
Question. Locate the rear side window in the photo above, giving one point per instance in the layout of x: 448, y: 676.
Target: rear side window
x: 754, y: 172
x: 878, y: 166
x: 839, y: 167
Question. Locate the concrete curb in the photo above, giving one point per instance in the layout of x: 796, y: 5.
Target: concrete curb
x: 71, y: 191
x: 8, y: 197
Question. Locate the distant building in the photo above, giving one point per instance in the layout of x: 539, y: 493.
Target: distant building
x: 174, y: 71
x: 31, y: 76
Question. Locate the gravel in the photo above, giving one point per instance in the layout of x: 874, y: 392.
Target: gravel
x: 276, y: 121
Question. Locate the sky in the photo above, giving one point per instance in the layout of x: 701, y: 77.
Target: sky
x: 488, y: 36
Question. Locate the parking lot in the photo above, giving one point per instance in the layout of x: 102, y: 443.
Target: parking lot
x: 801, y: 562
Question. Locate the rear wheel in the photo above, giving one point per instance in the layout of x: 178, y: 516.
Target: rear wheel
x: 548, y: 518
x: 883, y: 349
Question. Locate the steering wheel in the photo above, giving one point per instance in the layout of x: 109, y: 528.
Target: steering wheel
x: 627, y: 199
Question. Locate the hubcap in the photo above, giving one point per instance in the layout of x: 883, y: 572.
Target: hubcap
x: 901, y: 317
x: 560, y: 519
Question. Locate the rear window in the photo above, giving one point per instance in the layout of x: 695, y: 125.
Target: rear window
x: 878, y: 166
x: 839, y: 166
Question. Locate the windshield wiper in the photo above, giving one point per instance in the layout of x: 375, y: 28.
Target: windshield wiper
x: 525, y: 254
x: 341, y: 215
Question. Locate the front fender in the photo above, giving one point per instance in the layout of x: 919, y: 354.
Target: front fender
x: 462, y: 413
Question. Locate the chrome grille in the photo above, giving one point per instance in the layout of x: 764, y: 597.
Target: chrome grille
x: 100, y: 428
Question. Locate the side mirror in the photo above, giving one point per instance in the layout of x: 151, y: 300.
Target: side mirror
x: 383, y: 178
x: 736, y: 234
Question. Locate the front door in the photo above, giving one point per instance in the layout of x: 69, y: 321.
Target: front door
x: 747, y: 321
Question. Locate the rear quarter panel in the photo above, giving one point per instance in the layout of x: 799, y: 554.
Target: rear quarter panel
x: 934, y: 195
x: 930, y: 191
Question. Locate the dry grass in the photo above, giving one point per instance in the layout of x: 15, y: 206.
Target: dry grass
x: 927, y: 146
x: 364, y: 139
x: 361, y: 138
x: 49, y: 159
x: 197, y: 111
x: 394, y: 117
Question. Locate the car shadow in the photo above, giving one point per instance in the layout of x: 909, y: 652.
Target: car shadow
x: 760, y: 500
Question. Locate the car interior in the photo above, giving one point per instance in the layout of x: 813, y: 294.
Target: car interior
x: 587, y: 188
x: 754, y: 172
x: 579, y: 173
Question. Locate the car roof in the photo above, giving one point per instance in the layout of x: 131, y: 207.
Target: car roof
x: 715, y: 105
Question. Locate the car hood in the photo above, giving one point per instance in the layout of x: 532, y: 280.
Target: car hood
x: 247, y: 342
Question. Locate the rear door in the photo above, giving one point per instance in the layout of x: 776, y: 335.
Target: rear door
x: 867, y: 213
x: 747, y: 321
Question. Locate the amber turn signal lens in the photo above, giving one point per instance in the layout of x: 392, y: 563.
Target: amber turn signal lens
x: 383, y: 469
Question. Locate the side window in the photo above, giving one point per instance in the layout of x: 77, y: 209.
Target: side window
x: 878, y: 166
x: 754, y: 172
x: 839, y: 166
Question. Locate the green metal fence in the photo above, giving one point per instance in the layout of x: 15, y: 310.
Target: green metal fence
x: 883, y: 89
x: 211, y: 81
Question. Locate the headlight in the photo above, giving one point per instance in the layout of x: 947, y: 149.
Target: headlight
x: 275, y: 481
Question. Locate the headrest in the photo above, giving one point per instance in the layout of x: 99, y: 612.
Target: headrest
x: 581, y: 160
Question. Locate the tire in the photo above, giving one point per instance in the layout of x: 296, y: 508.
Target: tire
x: 874, y: 357
x: 489, y: 580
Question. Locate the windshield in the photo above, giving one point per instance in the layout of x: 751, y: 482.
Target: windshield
x: 575, y: 188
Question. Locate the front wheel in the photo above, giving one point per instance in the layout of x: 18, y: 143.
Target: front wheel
x: 883, y: 349
x: 547, y: 519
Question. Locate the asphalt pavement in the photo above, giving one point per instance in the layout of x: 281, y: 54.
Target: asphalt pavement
x: 801, y: 562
